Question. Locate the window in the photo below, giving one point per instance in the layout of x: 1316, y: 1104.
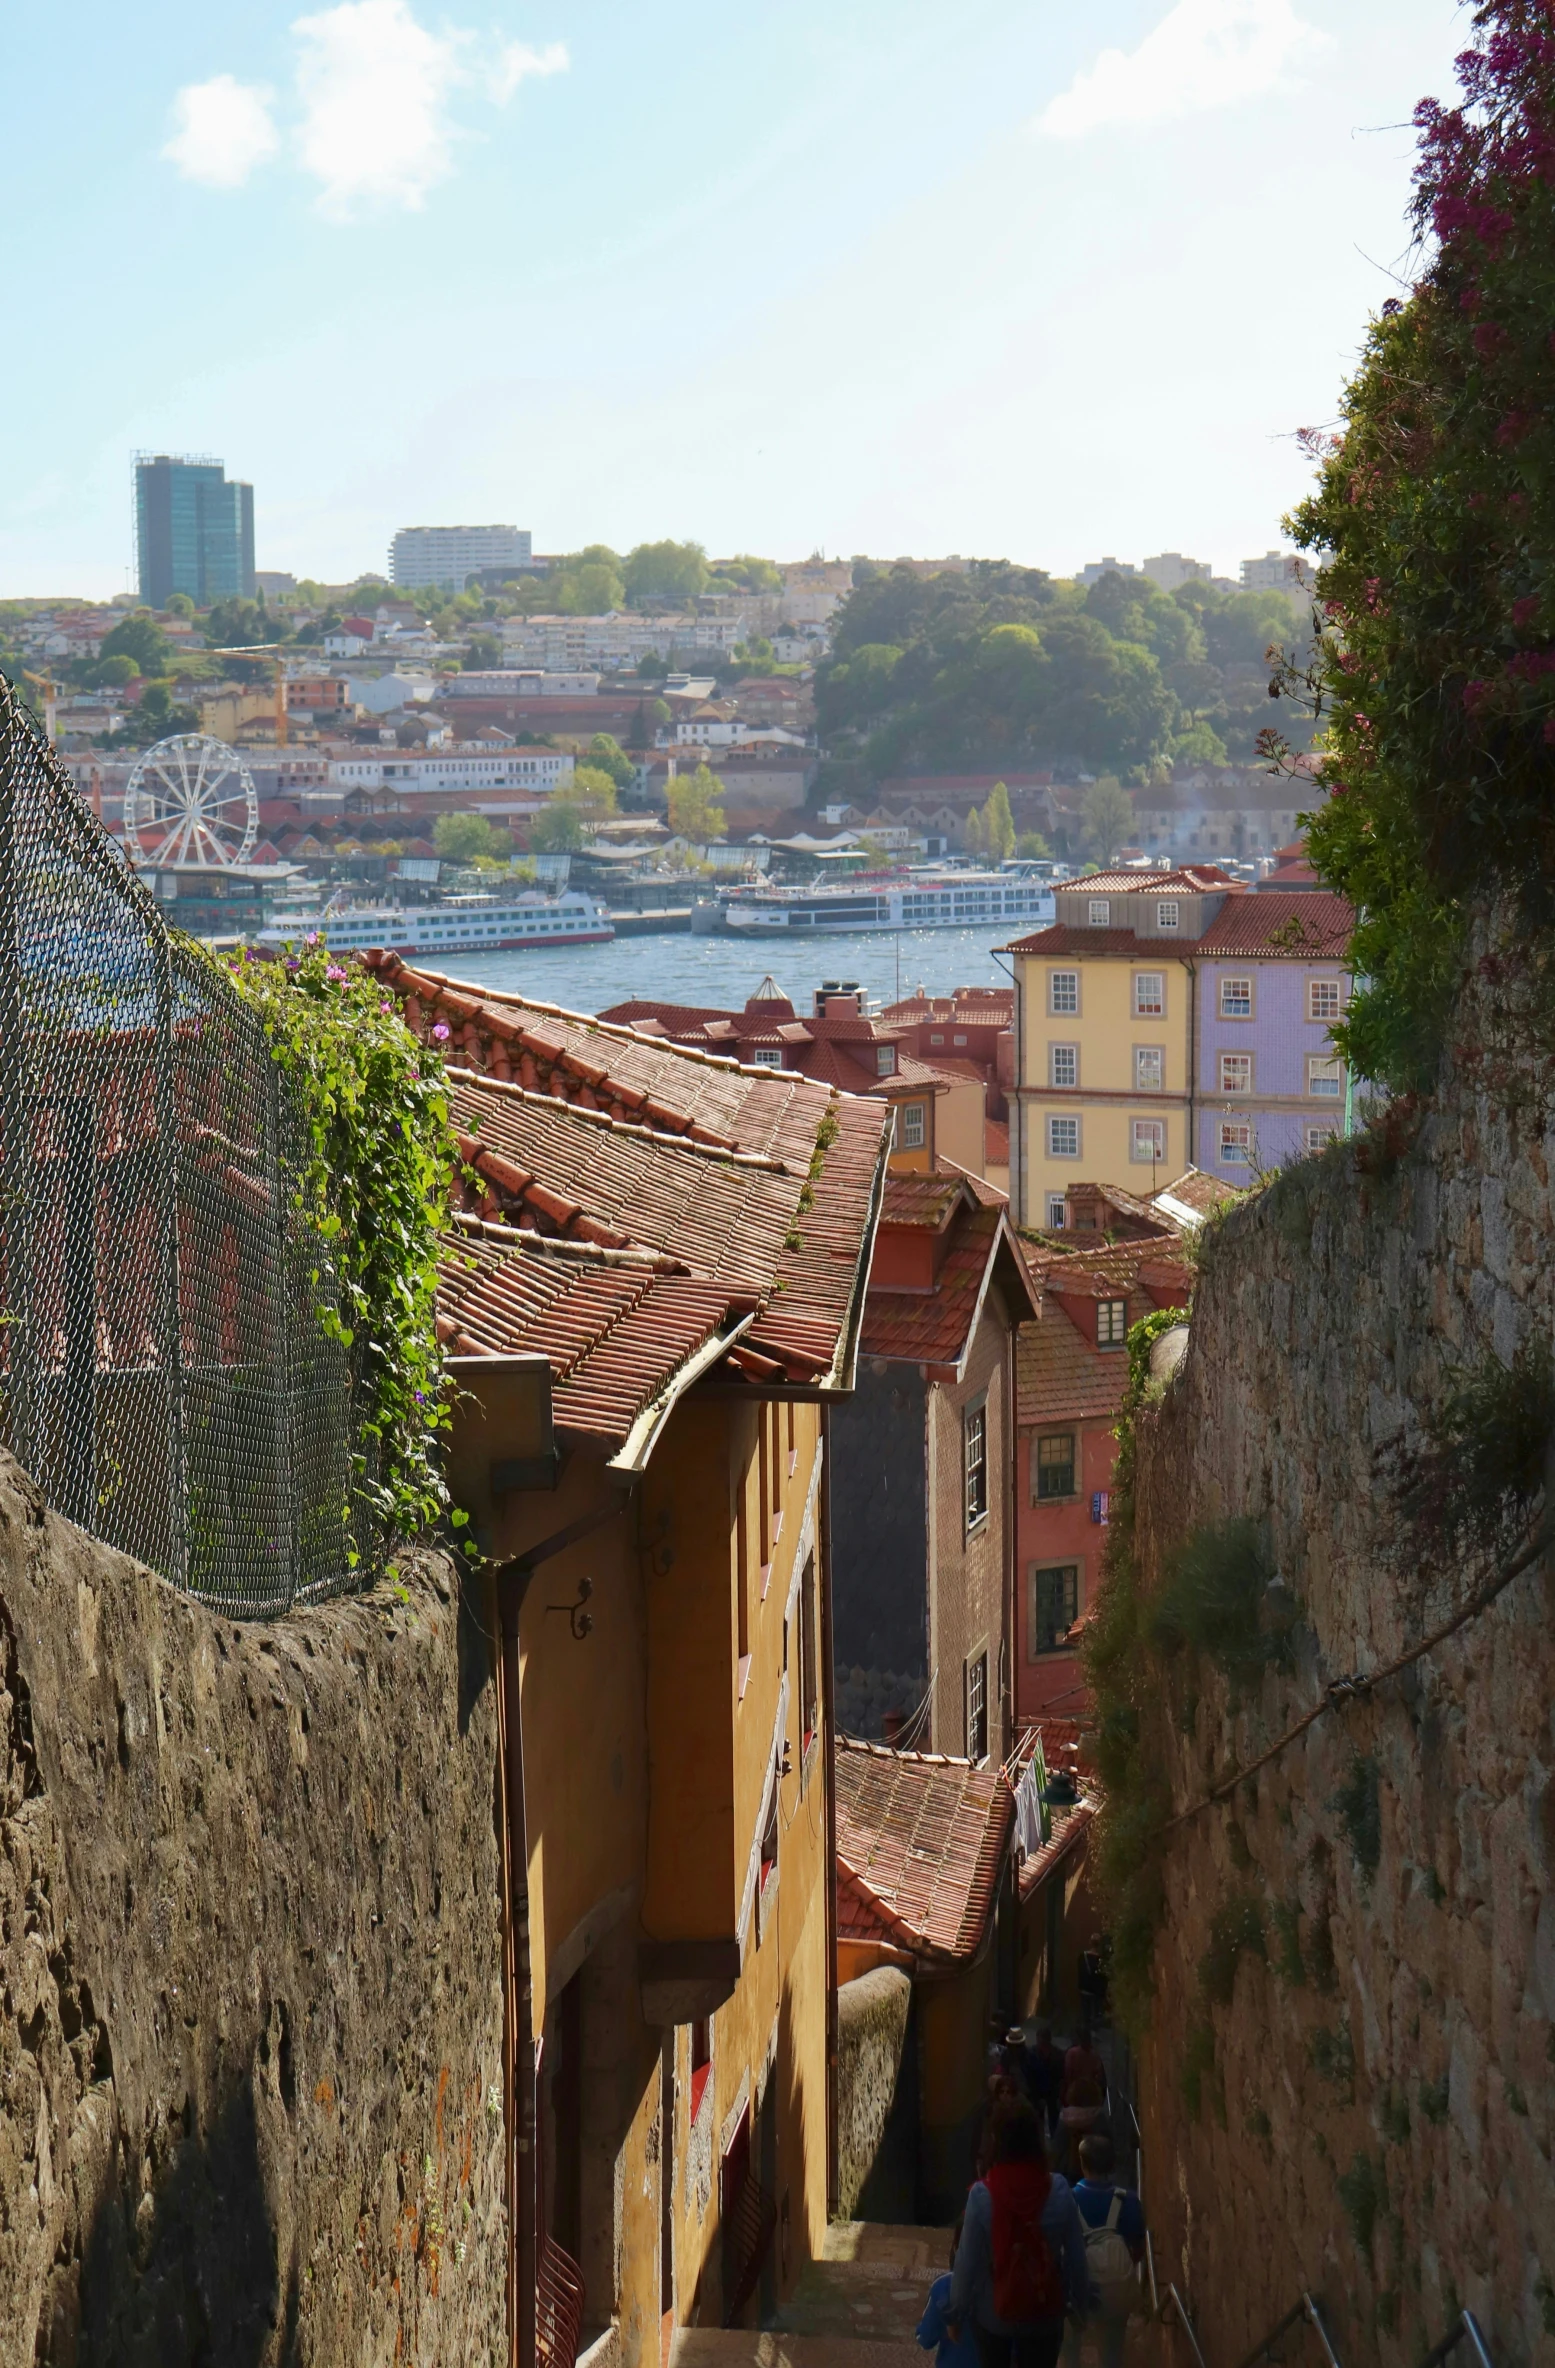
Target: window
x: 1147, y: 1140
x: 1236, y: 1145
x: 1325, y: 1077
x: 977, y: 1708
x: 1322, y: 998
x: 1166, y: 915
x: 1111, y: 1322
x: 1149, y: 1068
x: 1063, y: 991
x: 936, y: 1039
x: 1100, y: 911
x: 1055, y: 1465
x: 1319, y: 1137
x: 1063, y: 1062
x: 1149, y: 994
x: 1055, y: 1606
x: 975, y: 1452
x: 766, y: 1056
x: 1063, y: 1138
x: 885, y: 1059
x: 1057, y: 1213
x: 1236, y: 1072
x: 909, y: 1126
x: 701, y: 2062
x: 1236, y: 998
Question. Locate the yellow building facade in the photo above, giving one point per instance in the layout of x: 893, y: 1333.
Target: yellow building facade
x: 1104, y: 1017
x: 651, y: 1293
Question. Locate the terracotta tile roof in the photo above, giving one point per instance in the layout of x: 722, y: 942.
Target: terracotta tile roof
x: 920, y: 1846
x: 923, y: 1196
x: 1290, y: 925
x: 1189, y: 879
x: 616, y: 1335
x: 934, y: 1326
x: 1067, y: 1830
x: 1061, y: 1375
x: 1197, y: 1191
x: 761, y: 1190
x: 977, y: 1006
x: 996, y: 1142
x: 1063, y: 937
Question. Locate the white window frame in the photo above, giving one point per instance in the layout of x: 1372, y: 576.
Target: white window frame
x: 1142, y: 1009
x: 1071, y: 981
x: 1098, y: 912
x: 1332, y: 1087
x: 1054, y: 1122
x: 885, y: 1060
x: 1319, y: 1137
x: 1231, y: 1152
x: 1059, y: 1058
x: 1232, y: 1060
x: 1168, y: 914
x: 1153, y: 1153
x: 1057, y: 1213
x: 974, y: 1460
x: 1223, y: 997
x: 1144, y: 1053
x: 766, y: 1056
x: 1325, y: 987
x: 911, y: 1126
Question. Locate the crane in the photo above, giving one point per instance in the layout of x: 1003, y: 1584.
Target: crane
x: 50, y: 689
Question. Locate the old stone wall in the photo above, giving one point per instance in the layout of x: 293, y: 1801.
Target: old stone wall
x: 872, y: 2013
x: 1348, y: 2078
x: 250, y: 1951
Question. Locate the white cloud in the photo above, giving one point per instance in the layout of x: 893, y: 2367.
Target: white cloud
x: 374, y: 86
x: 224, y: 130
x: 1203, y: 53
x: 517, y: 63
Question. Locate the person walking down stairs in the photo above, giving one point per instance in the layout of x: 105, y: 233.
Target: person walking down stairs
x: 1113, y: 2220
x: 1021, y: 2261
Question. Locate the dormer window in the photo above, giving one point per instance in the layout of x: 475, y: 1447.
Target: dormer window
x: 885, y: 1059
x: 1100, y: 912
x: 767, y: 1056
x: 1166, y: 913
x: 1111, y: 1323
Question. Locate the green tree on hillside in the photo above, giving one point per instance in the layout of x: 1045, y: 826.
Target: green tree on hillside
x: 999, y: 825
x: 672, y: 572
x: 606, y: 755
x: 1107, y: 818
x: 696, y: 809
x: 466, y: 838
x: 138, y: 636
x: 589, y: 585
x: 593, y: 791
x: 557, y: 829
x: 1032, y: 847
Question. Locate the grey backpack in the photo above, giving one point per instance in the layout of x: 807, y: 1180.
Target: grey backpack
x: 1108, y: 2261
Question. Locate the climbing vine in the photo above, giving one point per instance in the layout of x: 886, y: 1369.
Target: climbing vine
x: 375, y: 1182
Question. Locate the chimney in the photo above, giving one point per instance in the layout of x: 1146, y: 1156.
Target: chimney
x: 891, y: 1726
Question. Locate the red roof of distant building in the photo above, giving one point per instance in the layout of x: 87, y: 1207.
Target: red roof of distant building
x: 1061, y: 1372
x: 933, y: 1323
x: 920, y: 1847
x: 1302, y: 925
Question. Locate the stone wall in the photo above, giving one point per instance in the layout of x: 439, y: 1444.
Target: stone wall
x: 1372, y: 2114
x: 872, y: 2016
x: 250, y: 1950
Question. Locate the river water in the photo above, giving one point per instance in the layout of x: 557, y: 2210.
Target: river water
x: 725, y: 971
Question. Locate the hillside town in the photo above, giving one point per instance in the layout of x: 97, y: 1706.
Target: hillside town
x: 777, y: 1423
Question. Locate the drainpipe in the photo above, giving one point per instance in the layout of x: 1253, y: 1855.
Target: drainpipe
x: 524, y: 2202
x: 1193, y: 1063
x: 829, y: 1720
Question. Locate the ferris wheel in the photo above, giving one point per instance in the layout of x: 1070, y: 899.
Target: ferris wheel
x: 191, y: 800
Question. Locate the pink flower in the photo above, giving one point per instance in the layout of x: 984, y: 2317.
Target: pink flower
x: 312, y: 938
x: 442, y: 1032
x: 1475, y: 694
x: 334, y: 972
x: 1525, y: 610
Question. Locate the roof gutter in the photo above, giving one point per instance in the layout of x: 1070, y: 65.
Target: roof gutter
x: 839, y: 1379
x: 643, y: 1436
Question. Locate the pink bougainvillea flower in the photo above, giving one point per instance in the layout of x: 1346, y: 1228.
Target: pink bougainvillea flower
x: 1525, y: 610
x: 442, y: 1032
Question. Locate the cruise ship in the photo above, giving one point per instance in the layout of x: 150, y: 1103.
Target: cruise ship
x: 891, y: 900
x: 572, y: 919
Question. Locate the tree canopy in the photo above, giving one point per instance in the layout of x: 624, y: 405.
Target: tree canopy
x: 606, y: 755
x: 1002, y: 666
x: 1106, y: 818
x: 669, y: 572
x: 1435, y: 505
x: 696, y: 809
x: 557, y: 829
x: 140, y: 637
x: 466, y: 838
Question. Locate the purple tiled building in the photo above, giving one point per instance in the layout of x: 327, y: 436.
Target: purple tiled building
x: 1271, y: 982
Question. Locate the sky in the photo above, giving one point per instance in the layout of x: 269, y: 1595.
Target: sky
x: 1038, y: 279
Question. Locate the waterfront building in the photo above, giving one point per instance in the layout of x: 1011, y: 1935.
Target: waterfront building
x: 194, y: 530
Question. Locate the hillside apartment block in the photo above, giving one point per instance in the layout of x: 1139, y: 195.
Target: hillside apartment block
x: 1168, y: 1020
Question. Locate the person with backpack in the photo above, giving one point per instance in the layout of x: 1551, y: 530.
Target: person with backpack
x: 1113, y: 2220
x: 934, y: 2335
x: 1021, y: 2261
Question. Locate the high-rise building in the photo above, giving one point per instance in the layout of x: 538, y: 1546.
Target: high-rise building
x: 1168, y: 569
x: 194, y: 530
x: 445, y: 555
x: 1276, y: 571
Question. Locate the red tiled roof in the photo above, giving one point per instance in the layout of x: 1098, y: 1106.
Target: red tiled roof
x: 934, y: 1326
x: 1197, y: 1191
x: 1291, y: 925
x: 583, y: 1135
x: 1063, y: 937
x: 1189, y: 879
x: 920, y: 1847
x: 996, y: 1142
x: 1061, y: 1374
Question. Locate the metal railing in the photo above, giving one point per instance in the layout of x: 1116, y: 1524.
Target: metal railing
x: 558, y: 2306
x: 1304, y: 2310
x: 166, y: 1371
x: 1469, y: 2331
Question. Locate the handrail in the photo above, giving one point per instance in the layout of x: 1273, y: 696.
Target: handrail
x: 1306, y: 2309
x: 1468, y: 2326
x: 1173, y: 2296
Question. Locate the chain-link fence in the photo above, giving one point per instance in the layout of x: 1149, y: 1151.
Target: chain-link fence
x: 164, y: 1375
